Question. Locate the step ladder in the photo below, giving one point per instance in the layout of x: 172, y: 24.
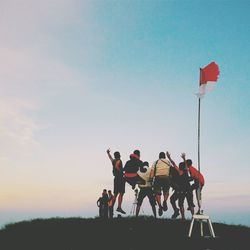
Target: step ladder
x: 201, y: 218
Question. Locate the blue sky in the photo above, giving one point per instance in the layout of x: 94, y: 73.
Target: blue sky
x: 78, y: 77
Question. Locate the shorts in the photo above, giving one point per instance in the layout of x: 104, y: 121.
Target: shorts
x: 185, y: 194
x: 146, y: 192
x: 119, y: 185
x: 161, y: 183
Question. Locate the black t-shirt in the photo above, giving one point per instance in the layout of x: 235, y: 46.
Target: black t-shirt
x: 133, y: 165
x: 180, y: 182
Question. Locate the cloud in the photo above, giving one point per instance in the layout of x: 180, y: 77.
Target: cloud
x: 31, y: 75
x: 17, y: 128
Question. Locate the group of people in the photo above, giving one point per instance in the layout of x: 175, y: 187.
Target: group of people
x: 106, y: 204
x: 155, y: 183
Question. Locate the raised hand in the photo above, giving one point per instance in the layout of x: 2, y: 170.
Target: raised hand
x: 183, y: 156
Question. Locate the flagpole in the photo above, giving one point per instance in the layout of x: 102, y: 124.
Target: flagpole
x: 199, y: 216
x: 199, y: 121
x: 199, y: 118
x: 198, y: 192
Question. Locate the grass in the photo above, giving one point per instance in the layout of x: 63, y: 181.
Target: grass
x: 120, y: 233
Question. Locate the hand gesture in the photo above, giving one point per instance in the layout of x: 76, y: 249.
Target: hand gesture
x: 108, y: 151
x: 183, y: 156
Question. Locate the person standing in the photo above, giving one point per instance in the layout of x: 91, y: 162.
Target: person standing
x: 160, y: 172
x: 198, y: 179
x: 105, y: 199
x: 99, y: 204
x: 102, y: 203
x: 110, y: 204
x: 119, y: 181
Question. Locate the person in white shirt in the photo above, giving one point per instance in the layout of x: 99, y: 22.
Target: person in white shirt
x: 146, y: 190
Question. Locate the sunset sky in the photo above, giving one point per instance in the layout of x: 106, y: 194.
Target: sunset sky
x: 78, y: 77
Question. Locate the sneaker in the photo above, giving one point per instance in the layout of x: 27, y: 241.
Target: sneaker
x: 120, y: 210
x: 165, y: 206
x: 160, y: 212
x: 199, y: 212
x: 176, y: 214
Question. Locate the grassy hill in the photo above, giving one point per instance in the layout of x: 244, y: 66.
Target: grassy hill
x: 120, y: 234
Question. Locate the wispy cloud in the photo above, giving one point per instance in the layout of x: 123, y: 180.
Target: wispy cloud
x: 17, y: 128
x: 31, y: 75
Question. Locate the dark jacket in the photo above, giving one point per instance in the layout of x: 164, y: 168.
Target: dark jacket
x: 134, y: 164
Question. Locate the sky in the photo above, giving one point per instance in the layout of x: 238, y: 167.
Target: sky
x: 78, y: 77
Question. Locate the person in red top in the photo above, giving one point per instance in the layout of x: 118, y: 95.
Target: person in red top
x: 198, y: 178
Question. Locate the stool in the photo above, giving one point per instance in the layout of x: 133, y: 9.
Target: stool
x: 201, y: 218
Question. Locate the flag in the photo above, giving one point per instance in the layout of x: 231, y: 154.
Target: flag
x: 208, y: 77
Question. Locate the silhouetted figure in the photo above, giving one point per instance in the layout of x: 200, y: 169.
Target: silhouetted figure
x: 131, y: 168
x: 160, y: 172
x: 146, y: 190
x: 198, y: 179
x: 105, y: 200
x: 102, y: 203
x: 119, y: 181
x: 184, y: 188
x: 110, y: 204
x: 99, y: 204
x: 174, y: 183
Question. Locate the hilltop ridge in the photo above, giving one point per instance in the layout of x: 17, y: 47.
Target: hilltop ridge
x: 118, y: 233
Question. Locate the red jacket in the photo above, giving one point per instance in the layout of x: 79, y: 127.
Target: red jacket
x: 196, y: 175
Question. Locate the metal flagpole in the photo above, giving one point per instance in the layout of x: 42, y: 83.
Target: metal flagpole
x: 199, y: 122
x: 197, y: 192
x: 200, y: 217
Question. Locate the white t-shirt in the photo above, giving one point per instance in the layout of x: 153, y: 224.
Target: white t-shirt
x: 145, y: 176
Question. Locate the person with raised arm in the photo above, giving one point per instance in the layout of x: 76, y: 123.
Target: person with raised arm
x: 119, y: 181
x: 198, y: 179
x: 184, y: 188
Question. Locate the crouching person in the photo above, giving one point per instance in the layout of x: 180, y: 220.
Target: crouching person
x: 131, y: 168
x: 146, y: 190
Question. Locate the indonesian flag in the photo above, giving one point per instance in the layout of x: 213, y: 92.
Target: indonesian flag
x: 208, y: 77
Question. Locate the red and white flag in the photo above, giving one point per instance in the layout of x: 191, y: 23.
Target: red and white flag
x: 208, y: 77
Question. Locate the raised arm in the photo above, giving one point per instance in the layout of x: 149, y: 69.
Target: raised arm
x: 180, y: 172
x: 183, y: 156
x: 170, y: 159
x: 109, y: 155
